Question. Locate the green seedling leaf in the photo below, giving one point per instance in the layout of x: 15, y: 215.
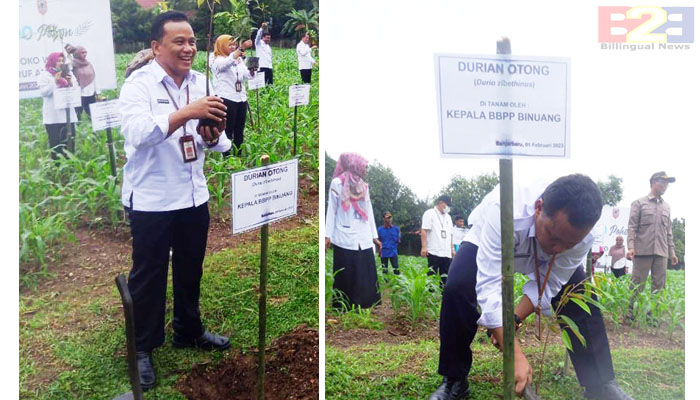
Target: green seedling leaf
x: 574, y: 328
x: 581, y: 304
x: 567, y: 341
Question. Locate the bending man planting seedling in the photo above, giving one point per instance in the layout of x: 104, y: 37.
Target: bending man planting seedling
x: 552, y: 227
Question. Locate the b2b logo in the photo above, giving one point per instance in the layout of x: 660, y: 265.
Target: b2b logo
x: 621, y: 24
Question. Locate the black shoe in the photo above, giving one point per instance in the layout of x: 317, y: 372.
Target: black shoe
x: 208, y: 341
x: 147, y: 375
x: 607, y: 391
x: 451, y: 389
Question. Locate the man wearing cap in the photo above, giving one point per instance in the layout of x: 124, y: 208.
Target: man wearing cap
x: 650, y: 238
x: 436, y: 237
x: 390, y: 237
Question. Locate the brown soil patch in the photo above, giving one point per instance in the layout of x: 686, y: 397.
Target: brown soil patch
x: 291, y: 372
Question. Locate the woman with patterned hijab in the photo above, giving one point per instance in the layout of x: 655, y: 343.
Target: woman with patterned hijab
x: 351, y: 230
x: 55, y: 76
x: 85, y: 75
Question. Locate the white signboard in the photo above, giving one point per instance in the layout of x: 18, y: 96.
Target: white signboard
x: 264, y: 195
x: 299, y: 95
x: 257, y: 82
x: 66, y: 98
x: 105, y: 114
x: 46, y: 26
x: 503, y: 105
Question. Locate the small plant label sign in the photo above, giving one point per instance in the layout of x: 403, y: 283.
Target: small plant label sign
x: 264, y: 195
x: 105, y: 114
x: 66, y: 98
x: 299, y: 95
x: 257, y: 82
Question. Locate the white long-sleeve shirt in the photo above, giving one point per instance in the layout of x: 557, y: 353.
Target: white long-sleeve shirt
x: 228, y: 71
x: 486, y: 234
x: 155, y: 176
x: 306, y: 60
x: 347, y: 229
x: 47, y: 84
x: 263, y: 51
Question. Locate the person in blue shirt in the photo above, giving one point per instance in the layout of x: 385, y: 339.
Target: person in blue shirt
x: 390, y: 237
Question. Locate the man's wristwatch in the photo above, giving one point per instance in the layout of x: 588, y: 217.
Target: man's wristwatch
x: 518, y: 322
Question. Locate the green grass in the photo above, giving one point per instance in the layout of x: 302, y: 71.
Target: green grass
x: 84, y: 341
x: 408, y: 371
x: 80, y: 191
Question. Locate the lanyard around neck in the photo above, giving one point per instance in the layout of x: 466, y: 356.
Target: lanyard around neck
x: 439, y: 219
x: 540, y: 289
x: 171, y: 96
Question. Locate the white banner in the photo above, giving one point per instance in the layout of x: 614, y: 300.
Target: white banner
x: 46, y: 26
x: 612, y: 223
x: 264, y: 195
x: 105, y: 114
x: 503, y: 105
x: 257, y: 82
x: 66, y: 98
x: 299, y: 95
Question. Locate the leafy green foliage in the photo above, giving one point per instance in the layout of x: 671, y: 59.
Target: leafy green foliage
x: 466, y: 194
x: 611, y: 190
x: 299, y: 21
x: 678, y: 229
x: 414, y: 294
x: 237, y: 23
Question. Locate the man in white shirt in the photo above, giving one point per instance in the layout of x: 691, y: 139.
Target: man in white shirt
x: 264, y: 52
x: 306, y: 60
x: 436, y: 237
x: 165, y: 191
x: 551, y: 225
x: 459, y: 231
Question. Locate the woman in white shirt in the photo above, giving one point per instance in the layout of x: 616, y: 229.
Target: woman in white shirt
x: 55, y: 76
x: 230, y: 75
x: 350, y: 228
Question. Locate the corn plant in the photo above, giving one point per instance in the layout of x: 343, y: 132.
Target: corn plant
x: 413, y: 293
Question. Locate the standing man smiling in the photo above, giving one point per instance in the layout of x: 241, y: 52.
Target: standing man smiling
x: 165, y: 191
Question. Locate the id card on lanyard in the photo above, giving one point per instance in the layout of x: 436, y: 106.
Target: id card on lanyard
x: 187, y: 145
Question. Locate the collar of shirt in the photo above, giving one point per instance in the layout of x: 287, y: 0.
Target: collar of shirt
x: 655, y: 199
x: 161, y: 76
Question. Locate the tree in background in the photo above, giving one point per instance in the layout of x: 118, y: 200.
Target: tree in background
x: 238, y: 22
x: 389, y: 194
x: 611, y: 190
x: 466, y: 194
x: 300, y: 21
x: 678, y: 228
x: 131, y: 26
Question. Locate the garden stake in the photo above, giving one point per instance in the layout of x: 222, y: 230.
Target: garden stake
x: 257, y: 106
x: 295, y: 132
x: 110, y: 146
x: 69, y: 132
x: 136, y: 393
x: 589, y: 265
x: 262, y: 305
x: 506, y: 181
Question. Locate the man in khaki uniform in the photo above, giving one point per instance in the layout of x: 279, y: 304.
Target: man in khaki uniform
x: 650, y: 238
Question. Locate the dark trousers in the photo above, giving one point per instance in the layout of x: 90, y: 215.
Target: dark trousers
x: 618, y: 272
x: 58, y: 138
x: 154, y: 234
x: 459, y: 315
x: 235, y: 123
x: 85, y: 101
x: 440, y: 266
x: 394, y: 263
x: 305, y: 75
x: 268, y: 75
x: 356, y: 277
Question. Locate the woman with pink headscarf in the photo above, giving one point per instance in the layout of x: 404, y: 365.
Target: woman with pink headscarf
x: 55, y: 76
x: 351, y: 231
